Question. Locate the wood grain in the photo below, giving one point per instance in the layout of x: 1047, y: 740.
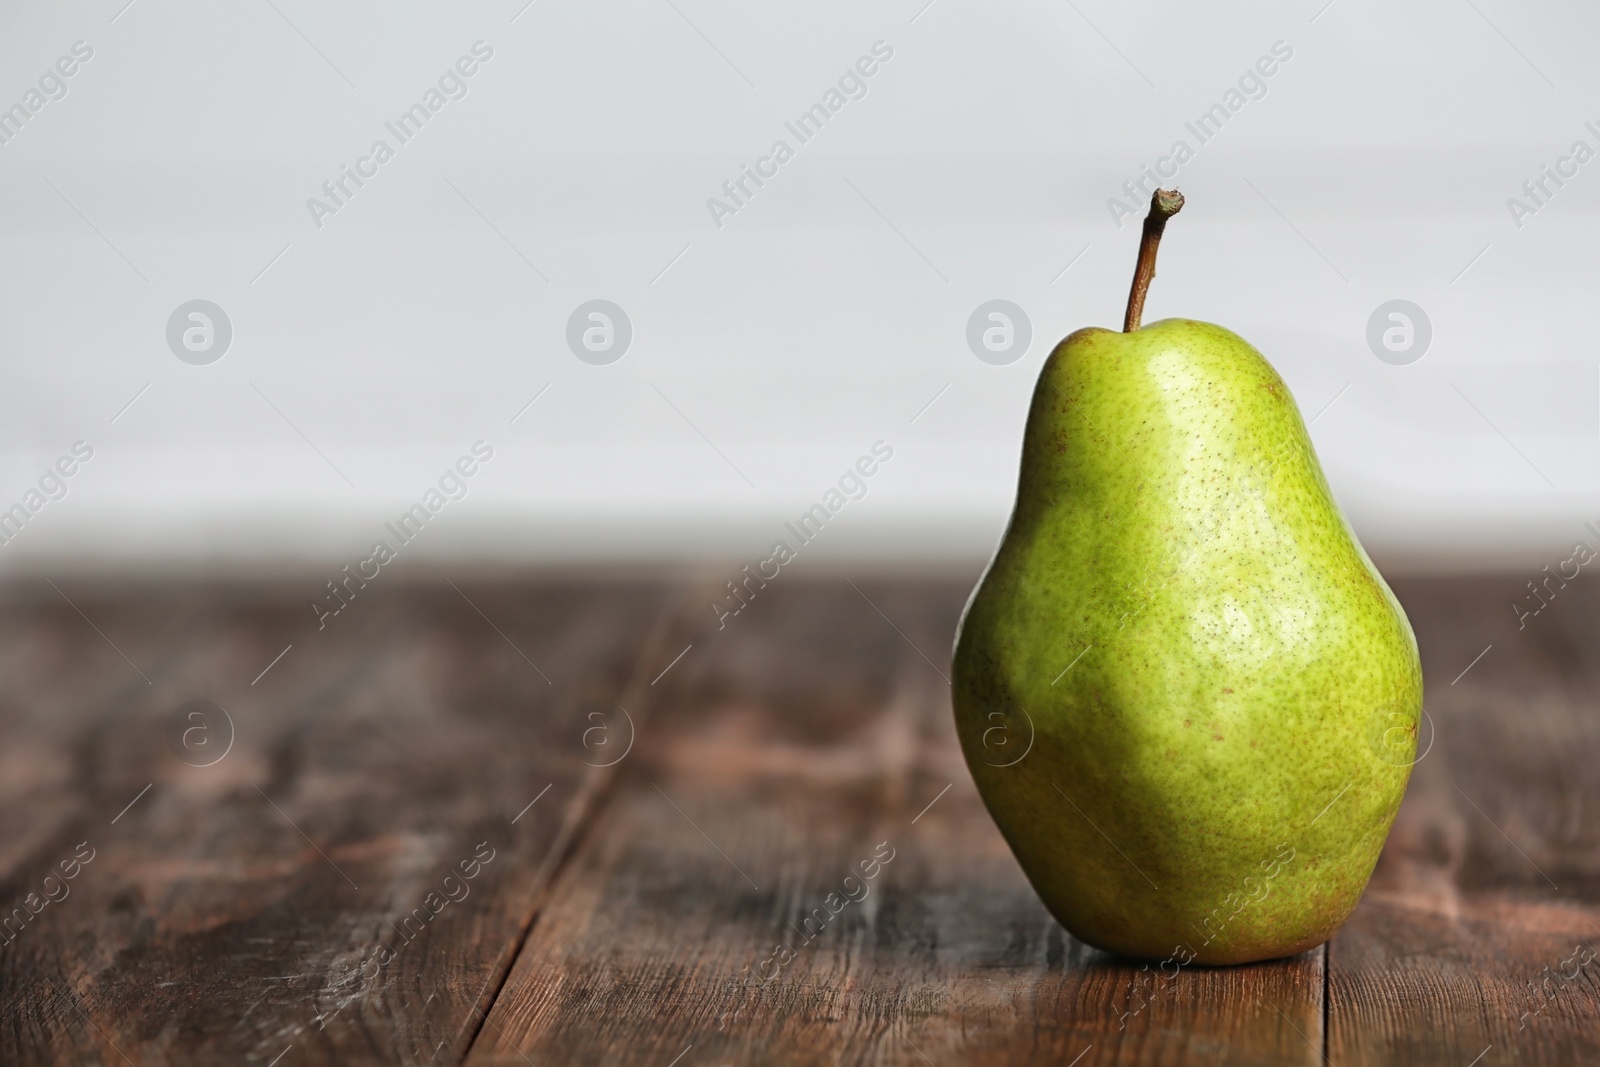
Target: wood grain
x: 634, y: 913
x: 1492, y: 872
x: 803, y: 739
x: 234, y: 913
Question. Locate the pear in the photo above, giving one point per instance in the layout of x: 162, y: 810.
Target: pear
x: 1187, y: 698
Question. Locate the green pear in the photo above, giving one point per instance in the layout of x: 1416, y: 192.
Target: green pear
x: 1188, y: 699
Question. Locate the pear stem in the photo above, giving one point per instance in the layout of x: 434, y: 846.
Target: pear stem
x: 1164, y: 204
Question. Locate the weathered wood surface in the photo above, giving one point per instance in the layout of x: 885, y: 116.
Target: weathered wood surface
x: 632, y: 915
x: 235, y: 912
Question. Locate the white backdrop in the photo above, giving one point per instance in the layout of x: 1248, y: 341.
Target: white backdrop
x: 376, y: 338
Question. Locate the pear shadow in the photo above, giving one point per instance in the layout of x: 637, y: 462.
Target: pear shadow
x: 1099, y: 960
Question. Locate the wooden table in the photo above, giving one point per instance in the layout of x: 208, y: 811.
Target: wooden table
x: 647, y: 805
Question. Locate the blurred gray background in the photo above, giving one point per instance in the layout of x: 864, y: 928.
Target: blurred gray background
x: 772, y: 345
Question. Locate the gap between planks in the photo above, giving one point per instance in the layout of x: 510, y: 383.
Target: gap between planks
x: 594, y: 793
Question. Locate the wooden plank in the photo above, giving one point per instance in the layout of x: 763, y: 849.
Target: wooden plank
x: 235, y: 913
x: 1491, y: 875
x: 808, y: 737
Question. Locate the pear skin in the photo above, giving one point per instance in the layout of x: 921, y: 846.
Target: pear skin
x: 1188, y: 699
